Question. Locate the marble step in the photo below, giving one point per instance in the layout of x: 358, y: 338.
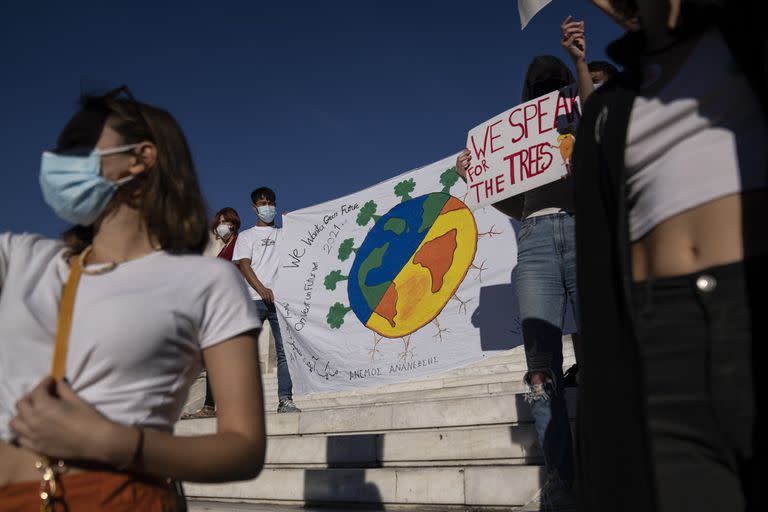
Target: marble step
x: 468, y: 446
x: 320, y: 402
x: 499, y: 409
x: 450, y: 486
x: 229, y: 505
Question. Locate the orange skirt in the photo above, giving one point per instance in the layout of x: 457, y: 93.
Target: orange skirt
x: 96, y: 491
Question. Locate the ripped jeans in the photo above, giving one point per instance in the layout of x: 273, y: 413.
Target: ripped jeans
x: 545, y: 279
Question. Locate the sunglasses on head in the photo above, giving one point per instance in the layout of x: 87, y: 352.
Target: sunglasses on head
x: 82, y: 132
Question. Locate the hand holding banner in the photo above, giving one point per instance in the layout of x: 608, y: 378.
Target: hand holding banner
x: 523, y: 148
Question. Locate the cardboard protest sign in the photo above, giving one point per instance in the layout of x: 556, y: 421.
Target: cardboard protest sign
x: 523, y: 148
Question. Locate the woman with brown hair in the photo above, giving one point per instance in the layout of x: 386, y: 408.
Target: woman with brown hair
x: 224, y: 229
x: 99, y: 341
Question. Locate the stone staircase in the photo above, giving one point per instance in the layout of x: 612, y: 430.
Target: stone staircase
x: 460, y: 440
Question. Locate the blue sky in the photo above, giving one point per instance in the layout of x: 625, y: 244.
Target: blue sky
x: 314, y: 99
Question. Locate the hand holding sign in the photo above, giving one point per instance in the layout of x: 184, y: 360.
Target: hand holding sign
x: 516, y: 151
x: 463, y: 161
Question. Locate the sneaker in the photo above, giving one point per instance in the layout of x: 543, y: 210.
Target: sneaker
x: 206, y: 412
x: 554, y: 496
x: 287, y: 405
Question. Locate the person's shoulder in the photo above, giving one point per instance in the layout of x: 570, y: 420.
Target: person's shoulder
x: 193, y: 260
x: 28, y: 242
x: 204, y: 268
x: 251, y: 231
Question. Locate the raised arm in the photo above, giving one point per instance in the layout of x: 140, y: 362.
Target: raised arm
x: 574, y: 42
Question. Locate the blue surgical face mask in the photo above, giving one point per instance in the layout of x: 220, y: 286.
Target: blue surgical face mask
x: 266, y: 213
x: 74, y: 187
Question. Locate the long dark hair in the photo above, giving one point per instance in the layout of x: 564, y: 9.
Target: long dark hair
x: 171, y: 203
x: 546, y: 73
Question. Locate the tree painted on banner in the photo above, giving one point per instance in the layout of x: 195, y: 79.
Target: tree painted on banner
x: 448, y: 179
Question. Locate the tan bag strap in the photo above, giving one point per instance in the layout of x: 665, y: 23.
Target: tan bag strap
x: 64, y: 326
x: 50, y: 471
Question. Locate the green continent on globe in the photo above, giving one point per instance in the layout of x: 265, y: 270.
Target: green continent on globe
x: 430, y: 210
x: 396, y: 248
x: 374, y: 293
x: 395, y: 225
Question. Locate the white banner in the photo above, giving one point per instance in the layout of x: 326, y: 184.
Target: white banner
x: 528, y: 9
x: 395, y: 282
x: 523, y: 148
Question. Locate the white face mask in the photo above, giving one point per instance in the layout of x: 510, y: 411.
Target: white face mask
x: 597, y: 85
x: 266, y: 213
x: 224, y: 230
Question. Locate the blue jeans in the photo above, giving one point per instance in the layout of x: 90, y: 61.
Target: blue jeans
x: 545, y: 279
x: 284, y: 384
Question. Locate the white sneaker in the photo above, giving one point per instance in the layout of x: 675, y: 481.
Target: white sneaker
x: 287, y: 405
x: 554, y: 496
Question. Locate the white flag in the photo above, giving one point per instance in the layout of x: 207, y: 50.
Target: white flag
x: 528, y: 9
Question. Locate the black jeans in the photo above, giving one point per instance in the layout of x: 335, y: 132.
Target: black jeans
x: 695, y: 335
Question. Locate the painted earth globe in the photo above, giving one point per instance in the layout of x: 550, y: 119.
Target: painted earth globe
x: 411, y: 263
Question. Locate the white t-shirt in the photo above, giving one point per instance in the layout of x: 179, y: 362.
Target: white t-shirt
x: 260, y: 244
x: 137, y: 330
x: 214, y: 247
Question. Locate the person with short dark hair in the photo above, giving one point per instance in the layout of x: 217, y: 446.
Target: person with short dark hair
x: 256, y: 254
x: 601, y: 71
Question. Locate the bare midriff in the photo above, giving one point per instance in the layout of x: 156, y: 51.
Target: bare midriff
x: 714, y: 233
x: 18, y: 465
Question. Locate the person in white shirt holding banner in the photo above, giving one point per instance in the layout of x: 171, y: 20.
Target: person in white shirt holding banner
x: 546, y: 268
x: 257, y: 257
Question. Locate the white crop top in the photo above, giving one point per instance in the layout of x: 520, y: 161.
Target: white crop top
x: 700, y: 137
x: 137, y: 331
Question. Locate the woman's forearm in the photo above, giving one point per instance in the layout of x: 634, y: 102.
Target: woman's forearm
x: 224, y: 456
x: 583, y: 79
